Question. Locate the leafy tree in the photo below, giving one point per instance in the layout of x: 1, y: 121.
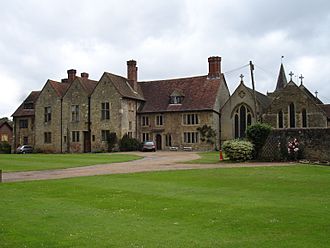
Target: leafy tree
x: 112, y: 141
x: 257, y: 134
x: 129, y: 144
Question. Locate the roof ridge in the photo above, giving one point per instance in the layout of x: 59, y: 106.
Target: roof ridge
x: 174, y: 79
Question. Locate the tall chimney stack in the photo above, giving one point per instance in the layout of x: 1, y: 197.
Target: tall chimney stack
x: 132, y: 73
x: 71, y: 75
x: 84, y: 75
x: 214, y: 67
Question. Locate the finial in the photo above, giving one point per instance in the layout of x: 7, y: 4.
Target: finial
x: 241, y: 76
x: 291, y: 74
x: 282, y: 57
x: 301, y: 79
x: 316, y: 92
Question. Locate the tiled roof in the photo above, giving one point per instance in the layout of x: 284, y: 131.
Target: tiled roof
x: 261, y: 98
x: 8, y: 123
x: 326, y: 108
x: 123, y: 86
x: 315, y: 99
x: 88, y: 85
x: 21, y: 111
x: 199, y: 94
x: 60, y: 88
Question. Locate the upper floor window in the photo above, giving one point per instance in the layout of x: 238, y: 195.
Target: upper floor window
x: 23, y: 123
x: 105, y: 111
x: 242, y: 119
x: 176, y: 97
x: 48, y: 114
x: 75, y: 113
x: 145, y: 121
x: 304, y: 118
x: 292, y: 115
x: 190, y: 119
x: 159, y: 120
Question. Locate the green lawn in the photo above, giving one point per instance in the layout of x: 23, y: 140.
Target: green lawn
x: 236, y: 207
x: 27, y: 162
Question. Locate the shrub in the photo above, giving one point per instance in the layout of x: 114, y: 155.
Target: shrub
x: 129, y: 144
x: 5, y: 147
x: 258, y: 134
x: 238, y: 150
x: 112, y: 141
x: 207, y: 134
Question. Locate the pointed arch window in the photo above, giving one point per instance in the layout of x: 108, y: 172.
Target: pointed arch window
x: 280, y: 119
x: 292, y: 115
x: 304, y: 118
x: 242, y: 119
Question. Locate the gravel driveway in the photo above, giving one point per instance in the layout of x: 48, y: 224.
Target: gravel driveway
x: 158, y: 161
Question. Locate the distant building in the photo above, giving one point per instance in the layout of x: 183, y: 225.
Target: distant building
x: 6, y: 132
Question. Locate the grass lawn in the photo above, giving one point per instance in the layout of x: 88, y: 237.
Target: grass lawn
x: 233, y: 207
x: 28, y: 162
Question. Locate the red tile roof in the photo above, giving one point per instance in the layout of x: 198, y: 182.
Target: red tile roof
x: 60, y: 88
x: 21, y: 111
x: 88, y: 85
x: 199, y: 93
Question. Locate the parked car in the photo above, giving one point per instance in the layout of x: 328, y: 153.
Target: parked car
x: 148, y: 146
x: 24, y: 149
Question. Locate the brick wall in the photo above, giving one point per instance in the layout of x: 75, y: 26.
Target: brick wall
x: 315, y: 143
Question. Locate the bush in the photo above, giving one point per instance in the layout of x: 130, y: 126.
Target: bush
x: 112, y: 141
x: 238, y: 150
x: 258, y: 134
x: 129, y: 144
x: 5, y: 147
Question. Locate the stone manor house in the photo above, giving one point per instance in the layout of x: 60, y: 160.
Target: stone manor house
x: 77, y: 114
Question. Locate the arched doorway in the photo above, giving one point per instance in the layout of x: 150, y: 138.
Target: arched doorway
x: 158, y: 141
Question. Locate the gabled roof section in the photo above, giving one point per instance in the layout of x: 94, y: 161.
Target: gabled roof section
x: 199, y: 93
x: 87, y: 84
x: 177, y: 93
x: 8, y: 123
x: 261, y: 98
x: 281, y: 80
x: 315, y: 99
x: 123, y: 87
x: 60, y: 88
x: 21, y: 111
x: 326, y: 108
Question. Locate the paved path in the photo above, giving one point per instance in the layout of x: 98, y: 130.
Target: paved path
x: 159, y: 161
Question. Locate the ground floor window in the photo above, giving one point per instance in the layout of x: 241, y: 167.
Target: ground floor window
x: 145, y: 137
x: 168, y: 140
x: 4, y: 137
x: 105, y: 135
x: 47, y: 137
x: 130, y: 135
x: 75, y: 136
x: 190, y: 137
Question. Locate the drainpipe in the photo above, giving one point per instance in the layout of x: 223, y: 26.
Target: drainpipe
x: 61, y: 125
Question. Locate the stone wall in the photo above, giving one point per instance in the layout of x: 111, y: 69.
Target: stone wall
x: 315, y: 143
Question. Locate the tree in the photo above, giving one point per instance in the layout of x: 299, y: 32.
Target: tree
x: 207, y: 134
x: 257, y: 134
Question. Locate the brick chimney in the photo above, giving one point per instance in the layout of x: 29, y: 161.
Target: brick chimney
x: 132, y: 73
x: 71, y: 75
x: 84, y: 75
x: 214, y: 67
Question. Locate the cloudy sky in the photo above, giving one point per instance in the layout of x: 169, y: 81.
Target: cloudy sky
x: 40, y: 40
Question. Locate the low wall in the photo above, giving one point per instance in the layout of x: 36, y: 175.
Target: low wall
x: 314, y: 143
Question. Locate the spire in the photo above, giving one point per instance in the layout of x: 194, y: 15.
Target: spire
x: 281, y: 80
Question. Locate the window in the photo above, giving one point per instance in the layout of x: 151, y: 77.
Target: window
x: 159, y: 120
x: 176, y: 100
x: 292, y: 115
x: 47, y: 137
x: 168, y: 140
x: 28, y: 105
x: 48, y: 114
x: 130, y: 135
x: 64, y: 139
x: 130, y: 125
x: 304, y: 118
x: 145, y: 121
x: 75, y: 113
x: 280, y: 119
x: 23, y: 123
x: 145, y: 137
x: 105, y: 135
x: 25, y: 140
x: 105, y: 111
x: 4, y: 137
x: 242, y: 119
x: 190, y: 137
x: 75, y: 136
x: 93, y: 137
x: 190, y: 119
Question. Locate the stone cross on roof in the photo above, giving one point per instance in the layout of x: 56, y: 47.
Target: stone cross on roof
x: 241, y: 76
x: 301, y: 79
x: 291, y: 74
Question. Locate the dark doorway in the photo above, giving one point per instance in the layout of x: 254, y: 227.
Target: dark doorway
x: 158, y: 142
x: 87, y: 141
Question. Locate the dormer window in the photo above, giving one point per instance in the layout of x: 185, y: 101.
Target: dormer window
x: 28, y: 105
x: 176, y: 97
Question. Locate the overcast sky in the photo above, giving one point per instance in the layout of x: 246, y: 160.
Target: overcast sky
x: 40, y: 40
